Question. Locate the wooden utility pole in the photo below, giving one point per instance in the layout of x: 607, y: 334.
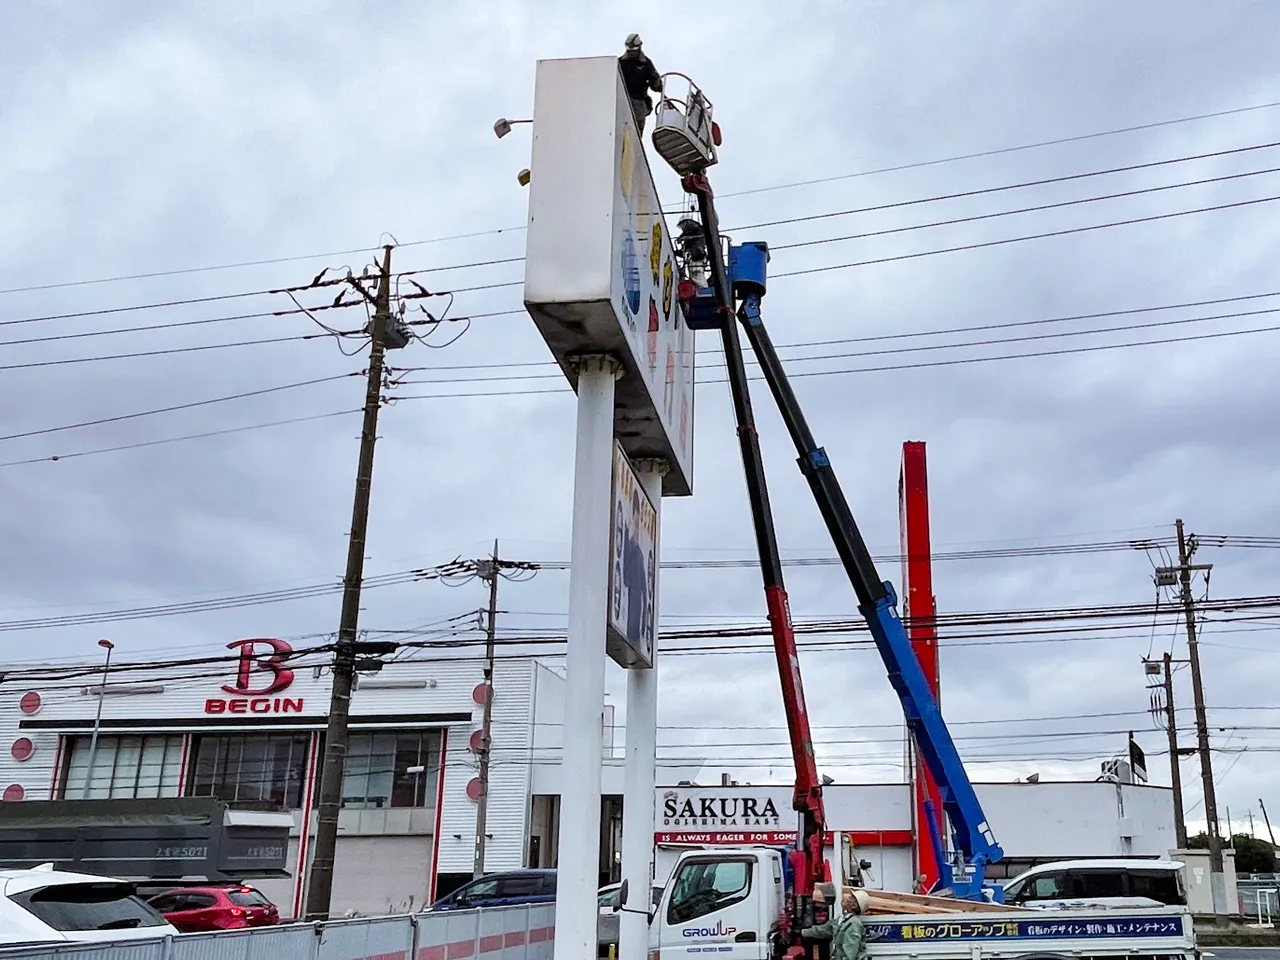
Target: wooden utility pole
x: 487, y: 571
x: 1175, y: 758
x: 320, y: 890
x: 1216, y: 880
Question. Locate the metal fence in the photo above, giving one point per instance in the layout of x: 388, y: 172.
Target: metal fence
x: 1259, y: 901
x: 498, y: 933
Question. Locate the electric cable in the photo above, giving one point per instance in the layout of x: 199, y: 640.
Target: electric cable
x: 180, y: 406
x: 783, y: 186
x: 984, y: 191
x: 56, y: 457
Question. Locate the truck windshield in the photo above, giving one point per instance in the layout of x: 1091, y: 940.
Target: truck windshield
x: 702, y: 887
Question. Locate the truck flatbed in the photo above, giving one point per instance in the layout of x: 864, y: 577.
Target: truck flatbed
x: 1153, y: 932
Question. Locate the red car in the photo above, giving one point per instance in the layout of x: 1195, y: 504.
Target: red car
x: 196, y: 909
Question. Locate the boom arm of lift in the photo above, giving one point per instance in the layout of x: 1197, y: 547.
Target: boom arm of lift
x: 807, y: 865
x: 974, y: 844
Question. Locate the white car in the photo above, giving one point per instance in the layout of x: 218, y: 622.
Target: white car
x: 1116, y: 883
x: 44, y: 905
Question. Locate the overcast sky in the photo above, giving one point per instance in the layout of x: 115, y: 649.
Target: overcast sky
x: 140, y: 142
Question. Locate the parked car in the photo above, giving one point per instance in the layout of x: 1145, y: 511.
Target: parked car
x: 215, y: 907
x: 44, y: 905
x: 502, y: 889
x: 1104, y: 883
x: 608, y: 901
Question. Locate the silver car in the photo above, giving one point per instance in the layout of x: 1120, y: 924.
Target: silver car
x: 609, y: 904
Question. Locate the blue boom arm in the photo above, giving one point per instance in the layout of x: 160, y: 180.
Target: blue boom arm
x: 974, y: 845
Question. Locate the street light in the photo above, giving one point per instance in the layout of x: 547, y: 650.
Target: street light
x: 108, y: 646
x: 501, y: 127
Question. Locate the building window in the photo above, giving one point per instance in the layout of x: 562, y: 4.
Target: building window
x: 262, y: 769
x: 394, y: 768
x: 124, y: 767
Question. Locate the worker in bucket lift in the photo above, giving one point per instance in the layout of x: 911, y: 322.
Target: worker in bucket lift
x: 845, y: 932
x: 639, y: 76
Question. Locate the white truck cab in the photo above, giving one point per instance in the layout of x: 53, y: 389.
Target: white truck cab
x: 726, y: 902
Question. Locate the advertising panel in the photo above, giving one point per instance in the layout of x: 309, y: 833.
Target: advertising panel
x: 600, y: 269
x: 633, y: 568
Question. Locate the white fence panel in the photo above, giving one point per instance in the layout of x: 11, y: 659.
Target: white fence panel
x: 118, y: 950
x: 383, y: 938
x: 498, y: 933
x: 290, y: 942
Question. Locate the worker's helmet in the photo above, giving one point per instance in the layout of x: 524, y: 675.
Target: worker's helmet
x: 633, y: 41
x: 861, y: 900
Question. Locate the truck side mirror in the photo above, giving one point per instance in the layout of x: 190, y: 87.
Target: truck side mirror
x: 622, y: 894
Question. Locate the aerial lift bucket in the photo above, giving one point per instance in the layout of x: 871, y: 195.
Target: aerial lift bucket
x: 685, y: 135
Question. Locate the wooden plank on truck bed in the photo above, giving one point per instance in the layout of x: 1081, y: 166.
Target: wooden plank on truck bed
x: 883, y: 902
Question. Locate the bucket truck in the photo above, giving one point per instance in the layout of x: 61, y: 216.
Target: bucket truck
x: 753, y: 902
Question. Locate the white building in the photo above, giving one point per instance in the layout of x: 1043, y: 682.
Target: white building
x: 251, y: 732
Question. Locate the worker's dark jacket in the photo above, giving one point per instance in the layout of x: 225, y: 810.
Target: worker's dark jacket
x: 846, y: 936
x: 639, y: 76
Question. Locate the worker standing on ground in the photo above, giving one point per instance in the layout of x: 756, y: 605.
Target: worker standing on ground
x: 846, y: 932
x: 639, y: 76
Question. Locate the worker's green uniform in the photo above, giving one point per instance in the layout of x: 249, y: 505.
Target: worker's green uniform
x: 845, y: 934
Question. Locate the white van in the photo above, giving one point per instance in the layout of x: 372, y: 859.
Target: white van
x: 43, y: 905
x: 1099, y: 883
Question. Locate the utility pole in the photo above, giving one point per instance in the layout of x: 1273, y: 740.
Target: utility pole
x: 1175, y: 757
x: 487, y: 571
x: 320, y: 890
x: 1267, y: 821
x: 1216, y: 880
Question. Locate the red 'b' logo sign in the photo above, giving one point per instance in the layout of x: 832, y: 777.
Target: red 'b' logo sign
x: 272, y: 663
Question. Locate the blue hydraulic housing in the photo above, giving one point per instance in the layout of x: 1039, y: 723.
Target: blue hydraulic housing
x: 748, y: 269
x: 748, y: 274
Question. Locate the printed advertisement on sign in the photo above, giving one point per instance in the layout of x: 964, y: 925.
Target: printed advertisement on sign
x: 644, y: 288
x: 633, y: 568
x: 600, y: 268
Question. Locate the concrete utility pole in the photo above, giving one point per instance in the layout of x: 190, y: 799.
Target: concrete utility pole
x: 320, y: 890
x: 1175, y: 758
x: 1217, y: 881
x: 486, y: 571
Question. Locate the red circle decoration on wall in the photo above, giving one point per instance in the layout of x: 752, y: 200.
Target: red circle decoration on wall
x: 14, y: 792
x: 474, y: 788
x: 30, y: 703
x: 22, y: 749
x: 481, y: 693
x: 477, y: 741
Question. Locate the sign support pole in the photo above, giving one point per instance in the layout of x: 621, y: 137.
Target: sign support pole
x: 579, y: 855
x: 640, y: 773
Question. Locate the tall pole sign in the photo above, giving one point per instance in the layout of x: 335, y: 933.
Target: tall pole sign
x: 920, y: 612
x: 600, y: 284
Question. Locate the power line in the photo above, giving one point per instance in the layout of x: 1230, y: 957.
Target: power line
x: 1034, y: 236
x: 984, y: 191
x: 849, y: 370
x: 1005, y: 150
x: 181, y: 406
x: 52, y: 458
x: 739, y: 193
x: 1057, y: 205
x: 163, y: 352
